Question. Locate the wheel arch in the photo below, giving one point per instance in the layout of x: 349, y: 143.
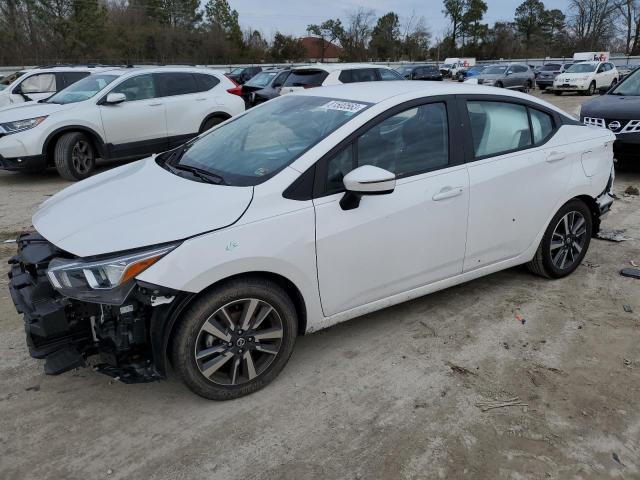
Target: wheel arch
x: 591, y: 203
x: 164, y: 329
x: 50, y: 142
x: 217, y: 114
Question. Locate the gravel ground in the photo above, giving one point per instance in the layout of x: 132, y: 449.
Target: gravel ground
x: 395, y: 394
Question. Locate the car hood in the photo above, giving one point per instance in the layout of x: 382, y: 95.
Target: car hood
x: 21, y: 111
x: 613, y: 107
x: 136, y: 205
x: 572, y: 77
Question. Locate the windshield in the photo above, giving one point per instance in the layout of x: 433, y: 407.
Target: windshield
x: 630, y: 86
x: 449, y: 65
x: 82, y: 90
x: 255, y: 146
x: 550, y: 68
x: 237, y: 71
x: 495, y: 69
x: 582, y: 68
x: 261, y: 80
x: 9, y: 79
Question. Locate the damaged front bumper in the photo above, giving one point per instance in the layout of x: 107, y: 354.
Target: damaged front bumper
x: 129, y: 340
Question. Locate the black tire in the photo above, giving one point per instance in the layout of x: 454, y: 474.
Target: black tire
x: 592, y: 89
x: 542, y: 87
x: 527, y: 86
x: 499, y: 85
x: 210, y: 123
x: 74, y: 156
x: 187, y: 335
x: 557, y: 93
x: 543, y: 262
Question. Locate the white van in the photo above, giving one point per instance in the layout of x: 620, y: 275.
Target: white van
x: 591, y: 56
x: 452, y: 66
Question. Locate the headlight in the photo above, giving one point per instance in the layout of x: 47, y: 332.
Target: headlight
x: 577, y: 112
x: 20, y: 125
x: 109, y: 280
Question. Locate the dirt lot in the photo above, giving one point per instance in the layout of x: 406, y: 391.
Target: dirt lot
x: 390, y: 395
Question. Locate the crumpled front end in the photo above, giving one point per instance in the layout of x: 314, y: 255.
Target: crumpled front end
x: 128, y: 340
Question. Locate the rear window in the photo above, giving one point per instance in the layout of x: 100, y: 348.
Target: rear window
x: 306, y: 78
x: 261, y: 80
x: 177, y: 83
x: 551, y: 67
x: 358, y: 75
x: 205, y: 82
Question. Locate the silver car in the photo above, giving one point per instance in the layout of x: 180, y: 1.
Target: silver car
x: 516, y: 76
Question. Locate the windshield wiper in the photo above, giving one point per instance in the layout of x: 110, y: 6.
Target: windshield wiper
x: 208, y: 177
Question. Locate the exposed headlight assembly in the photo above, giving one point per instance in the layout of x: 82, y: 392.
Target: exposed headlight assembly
x: 108, y: 280
x: 20, y: 125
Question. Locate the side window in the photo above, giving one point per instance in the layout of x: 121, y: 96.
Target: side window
x: 386, y: 74
x: 363, y: 75
x: 542, y: 125
x: 205, y: 82
x: 498, y: 127
x: 141, y: 87
x: 408, y: 143
x: 43, y: 83
x: 339, y: 165
x: 345, y: 76
x: 176, y: 83
x: 279, y: 81
x: 69, y: 78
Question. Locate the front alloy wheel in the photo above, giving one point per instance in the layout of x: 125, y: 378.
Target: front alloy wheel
x: 235, y: 338
x: 238, y: 341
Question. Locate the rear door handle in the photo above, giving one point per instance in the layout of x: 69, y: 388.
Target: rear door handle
x: 155, y: 104
x: 555, y: 157
x: 447, y: 192
x: 200, y: 99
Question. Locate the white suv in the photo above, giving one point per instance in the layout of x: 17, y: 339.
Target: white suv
x: 119, y: 113
x: 586, y: 77
x: 39, y: 83
x: 334, y: 74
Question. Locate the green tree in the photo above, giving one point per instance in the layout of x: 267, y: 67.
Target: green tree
x: 327, y: 32
x: 473, y: 14
x: 529, y: 18
x: 455, y: 10
x: 385, y: 37
x: 286, y: 48
x: 220, y: 14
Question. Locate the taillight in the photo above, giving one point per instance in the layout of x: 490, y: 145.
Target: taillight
x: 237, y: 90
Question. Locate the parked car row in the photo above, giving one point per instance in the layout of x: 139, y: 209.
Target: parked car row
x: 120, y: 113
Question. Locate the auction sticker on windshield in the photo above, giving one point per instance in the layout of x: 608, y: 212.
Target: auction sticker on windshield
x: 344, y: 106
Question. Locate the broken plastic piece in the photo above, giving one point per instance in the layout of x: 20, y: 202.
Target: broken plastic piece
x: 631, y: 272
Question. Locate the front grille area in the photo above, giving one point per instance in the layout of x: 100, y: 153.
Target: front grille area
x: 616, y: 126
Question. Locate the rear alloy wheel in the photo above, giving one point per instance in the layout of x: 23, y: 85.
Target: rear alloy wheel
x: 565, y: 242
x: 74, y: 156
x: 236, y: 339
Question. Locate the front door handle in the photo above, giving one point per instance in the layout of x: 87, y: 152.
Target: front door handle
x: 200, y: 99
x: 155, y: 104
x: 448, y: 192
x: 555, y: 157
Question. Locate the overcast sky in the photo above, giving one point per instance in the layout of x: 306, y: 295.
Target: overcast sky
x: 292, y: 17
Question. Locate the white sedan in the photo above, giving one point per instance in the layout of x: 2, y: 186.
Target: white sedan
x: 306, y: 211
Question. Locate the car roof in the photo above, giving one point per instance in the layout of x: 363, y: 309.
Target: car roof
x: 55, y: 69
x: 330, y: 67
x: 377, y: 92
x: 137, y: 70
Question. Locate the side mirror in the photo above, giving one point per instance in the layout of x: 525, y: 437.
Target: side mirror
x: 366, y: 180
x: 115, y: 98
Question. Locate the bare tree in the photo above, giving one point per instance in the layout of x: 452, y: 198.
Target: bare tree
x: 357, y: 34
x: 593, y: 22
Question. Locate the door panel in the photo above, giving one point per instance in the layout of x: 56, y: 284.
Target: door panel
x: 138, y: 125
x: 395, y: 242
x: 391, y: 243
x: 186, y: 107
x: 512, y: 194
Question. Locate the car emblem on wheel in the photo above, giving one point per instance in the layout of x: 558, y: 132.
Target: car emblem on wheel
x: 613, y: 126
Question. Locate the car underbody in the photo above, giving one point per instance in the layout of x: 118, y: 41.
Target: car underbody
x: 129, y: 340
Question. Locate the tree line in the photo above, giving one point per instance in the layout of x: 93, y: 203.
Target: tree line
x: 36, y: 32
